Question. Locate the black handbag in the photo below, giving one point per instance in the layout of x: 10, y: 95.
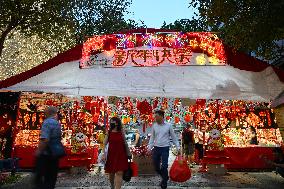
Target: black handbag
x: 57, y: 150
x: 128, y: 173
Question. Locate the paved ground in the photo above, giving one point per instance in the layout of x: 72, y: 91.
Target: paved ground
x: 97, y: 180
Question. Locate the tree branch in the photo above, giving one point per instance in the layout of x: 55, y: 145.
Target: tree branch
x: 4, y: 34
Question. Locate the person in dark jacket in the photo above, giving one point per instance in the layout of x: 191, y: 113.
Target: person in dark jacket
x: 253, y: 140
x: 188, y: 143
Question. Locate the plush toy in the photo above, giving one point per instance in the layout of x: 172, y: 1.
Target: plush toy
x: 78, y: 143
x: 215, y: 140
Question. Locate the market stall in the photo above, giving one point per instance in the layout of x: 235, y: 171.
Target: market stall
x: 78, y: 127
x: 143, y: 70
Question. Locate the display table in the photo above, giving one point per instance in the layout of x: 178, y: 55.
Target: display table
x: 27, y: 158
x: 248, y: 157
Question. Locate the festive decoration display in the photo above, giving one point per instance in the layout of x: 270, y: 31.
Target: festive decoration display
x: 224, y: 123
x: 176, y: 48
x: 27, y: 138
x: 140, y: 151
x: 240, y: 137
x: 79, y: 142
x: 215, y: 141
x: 8, y: 112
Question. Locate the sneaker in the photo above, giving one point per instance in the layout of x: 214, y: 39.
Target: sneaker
x: 163, y: 185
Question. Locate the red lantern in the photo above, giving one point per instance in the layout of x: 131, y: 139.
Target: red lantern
x: 168, y: 118
x: 177, y: 119
x: 144, y: 108
x: 88, y: 106
x: 187, y: 118
x: 96, y: 118
x: 155, y: 104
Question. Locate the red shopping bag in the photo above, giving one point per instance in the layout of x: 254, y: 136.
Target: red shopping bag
x: 134, y: 168
x: 180, y: 172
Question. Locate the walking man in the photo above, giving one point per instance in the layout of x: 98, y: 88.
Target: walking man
x: 159, y: 143
x: 47, y: 163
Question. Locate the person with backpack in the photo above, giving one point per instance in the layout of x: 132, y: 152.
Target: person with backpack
x: 188, y: 143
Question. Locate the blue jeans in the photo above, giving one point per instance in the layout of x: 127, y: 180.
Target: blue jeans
x: 160, y: 159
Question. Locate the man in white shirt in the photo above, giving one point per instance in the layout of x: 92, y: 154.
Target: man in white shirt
x: 159, y: 143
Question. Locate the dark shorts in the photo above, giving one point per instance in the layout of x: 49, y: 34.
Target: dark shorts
x: 189, y: 149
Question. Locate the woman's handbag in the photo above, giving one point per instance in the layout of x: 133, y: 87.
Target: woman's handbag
x: 128, y: 173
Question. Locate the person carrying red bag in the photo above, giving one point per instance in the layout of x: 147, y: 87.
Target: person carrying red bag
x: 159, y: 145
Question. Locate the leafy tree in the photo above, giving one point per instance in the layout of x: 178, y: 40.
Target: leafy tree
x: 248, y: 25
x: 50, y: 19
x: 101, y: 17
x: 186, y: 25
x: 33, y: 31
x: 45, y: 18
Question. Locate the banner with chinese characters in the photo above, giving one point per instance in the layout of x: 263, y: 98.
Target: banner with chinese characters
x: 153, y: 49
x: 143, y: 57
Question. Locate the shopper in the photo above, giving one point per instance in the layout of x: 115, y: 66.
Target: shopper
x: 138, y: 139
x: 199, y: 144
x: 101, y: 139
x: 160, y: 140
x: 46, y: 160
x: 279, y: 161
x: 188, y: 143
x: 253, y: 136
x: 118, y: 153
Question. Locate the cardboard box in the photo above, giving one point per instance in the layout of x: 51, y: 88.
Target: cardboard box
x: 145, y: 165
x: 217, y: 169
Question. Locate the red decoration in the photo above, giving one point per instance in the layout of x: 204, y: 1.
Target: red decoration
x: 168, y: 118
x: 88, y: 106
x: 140, y: 151
x: 187, y: 118
x: 144, y: 108
x: 177, y: 119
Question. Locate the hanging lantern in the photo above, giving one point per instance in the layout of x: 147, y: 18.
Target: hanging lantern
x: 177, y: 120
x: 187, y: 118
x: 128, y: 120
x: 168, y: 118
x: 124, y: 120
x: 88, y: 106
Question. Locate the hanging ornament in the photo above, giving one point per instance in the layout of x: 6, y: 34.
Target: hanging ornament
x: 187, y: 118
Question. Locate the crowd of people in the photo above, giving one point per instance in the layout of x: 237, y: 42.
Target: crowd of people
x: 116, y: 153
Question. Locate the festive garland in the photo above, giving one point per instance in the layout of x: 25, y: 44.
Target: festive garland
x: 140, y: 151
